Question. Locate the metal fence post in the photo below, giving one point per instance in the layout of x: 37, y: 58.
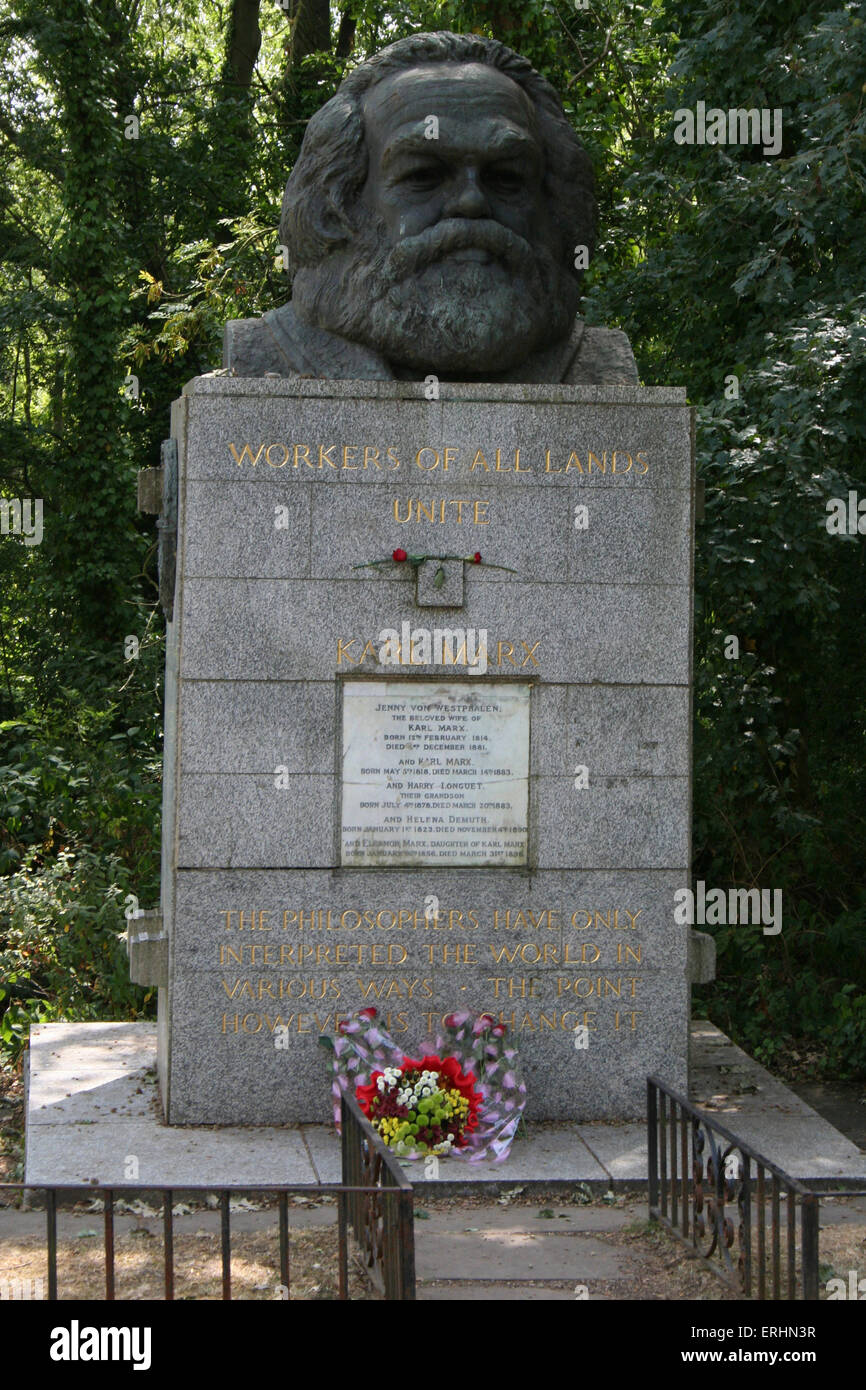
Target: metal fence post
x: 652, y: 1143
x: 809, y: 1246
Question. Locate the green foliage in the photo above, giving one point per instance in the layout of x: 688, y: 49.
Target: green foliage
x: 62, y: 954
x: 79, y: 830
x: 762, y: 258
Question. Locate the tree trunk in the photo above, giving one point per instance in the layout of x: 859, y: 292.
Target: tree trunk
x: 245, y: 40
x: 346, y: 35
x: 312, y: 29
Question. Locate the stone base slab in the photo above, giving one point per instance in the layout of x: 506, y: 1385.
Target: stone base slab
x: 93, y: 1117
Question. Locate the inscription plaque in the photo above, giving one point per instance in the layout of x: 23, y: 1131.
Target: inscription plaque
x: 435, y: 773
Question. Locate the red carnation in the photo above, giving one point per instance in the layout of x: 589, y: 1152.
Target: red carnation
x: 477, y: 557
x: 369, y: 1012
x: 399, y: 556
x: 365, y: 1094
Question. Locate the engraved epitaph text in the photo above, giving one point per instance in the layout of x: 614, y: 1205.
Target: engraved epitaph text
x: 435, y: 773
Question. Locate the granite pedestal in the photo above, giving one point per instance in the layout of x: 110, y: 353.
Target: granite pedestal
x: 386, y: 787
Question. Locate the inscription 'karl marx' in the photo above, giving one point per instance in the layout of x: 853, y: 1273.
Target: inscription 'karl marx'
x: 454, y: 645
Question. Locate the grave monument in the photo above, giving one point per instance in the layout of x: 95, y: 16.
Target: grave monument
x: 426, y: 558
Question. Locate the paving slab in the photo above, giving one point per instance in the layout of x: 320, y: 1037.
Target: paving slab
x: 549, y: 1154
x: 843, y: 1211
x: 82, y: 1072
x: 496, y: 1255
x: 842, y: 1103
x: 141, y: 1153
x: 323, y: 1146
x: 526, y: 1218
x: 620, y: 1149
x: 766, y: 1114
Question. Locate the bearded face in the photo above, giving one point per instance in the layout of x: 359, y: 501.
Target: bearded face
x: 462, y: 296
x: 456, y: 266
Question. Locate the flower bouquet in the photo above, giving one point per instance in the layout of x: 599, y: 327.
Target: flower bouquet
x: 466, y: 1099
x: 422, y: 1107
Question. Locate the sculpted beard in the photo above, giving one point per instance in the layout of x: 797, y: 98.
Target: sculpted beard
x: 422, y: 306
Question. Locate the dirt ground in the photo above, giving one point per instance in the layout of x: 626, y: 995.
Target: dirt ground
x: 666, y: 1272
x: 139, y: 1269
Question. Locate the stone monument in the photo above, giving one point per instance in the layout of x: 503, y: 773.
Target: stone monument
x: 429, y: 640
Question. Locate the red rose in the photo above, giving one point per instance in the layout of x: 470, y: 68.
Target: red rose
x: 399, y: 556
x: 477, y: 557
x: 368, y: 1012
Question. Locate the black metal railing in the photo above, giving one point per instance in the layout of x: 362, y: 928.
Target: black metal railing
x: 713, y: 1191
x: 374, y: 1202
x: 377, y: 1205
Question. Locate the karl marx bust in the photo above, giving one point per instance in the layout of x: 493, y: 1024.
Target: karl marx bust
x: 431, y: 221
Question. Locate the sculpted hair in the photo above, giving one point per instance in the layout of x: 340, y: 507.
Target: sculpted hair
x: 318, y: 214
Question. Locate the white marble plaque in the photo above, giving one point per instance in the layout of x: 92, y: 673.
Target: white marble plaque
x: 435, y: 773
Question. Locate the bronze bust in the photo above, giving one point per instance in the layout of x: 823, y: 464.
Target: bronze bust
x: 433, y: 222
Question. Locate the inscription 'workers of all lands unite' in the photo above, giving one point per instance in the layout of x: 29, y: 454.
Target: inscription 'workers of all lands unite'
x: 446, y: 458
